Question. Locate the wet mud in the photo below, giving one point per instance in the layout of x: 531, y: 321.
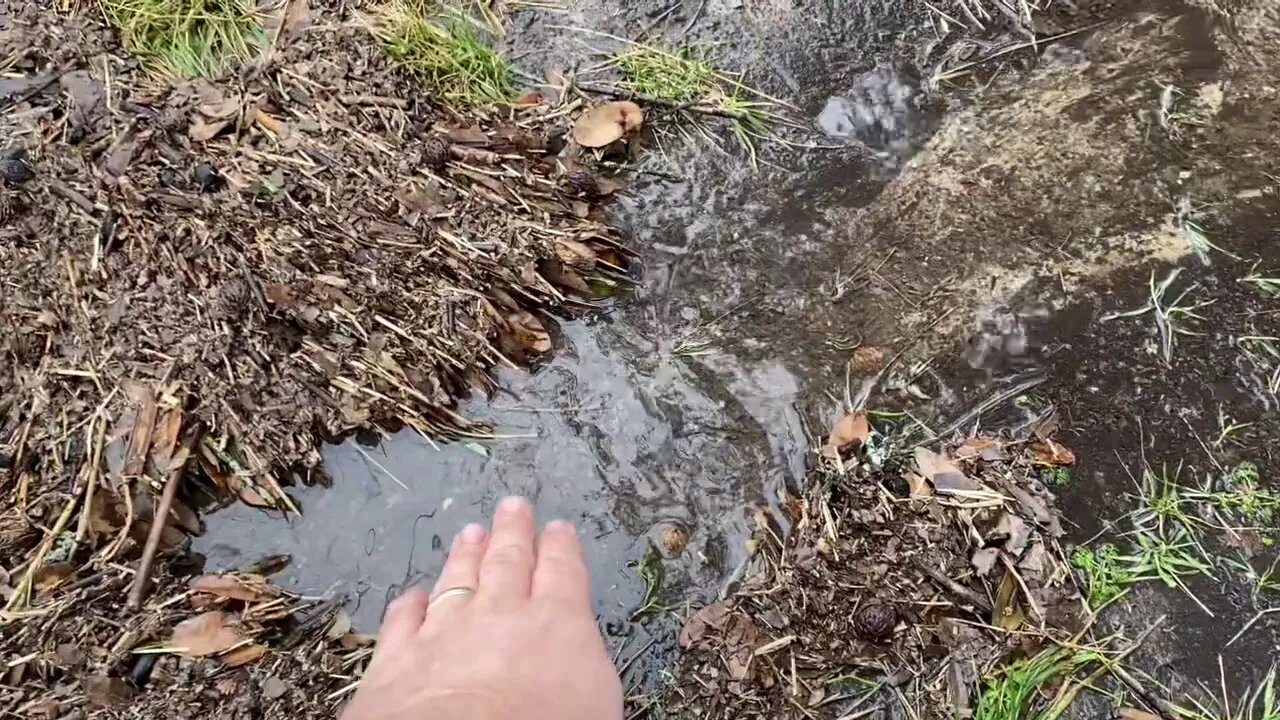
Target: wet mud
x: 990, y: 229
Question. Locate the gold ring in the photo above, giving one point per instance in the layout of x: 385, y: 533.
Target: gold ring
x: 451, y: 593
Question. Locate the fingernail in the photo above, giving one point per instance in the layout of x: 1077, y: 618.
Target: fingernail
x: 472, y: 533
x: 562, y: 526
x: 512, y: 504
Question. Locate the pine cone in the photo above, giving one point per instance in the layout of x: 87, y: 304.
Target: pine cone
x: 583, y: 182
x: 231, y: 299
x: 875, y: 622
x: 435, y: 152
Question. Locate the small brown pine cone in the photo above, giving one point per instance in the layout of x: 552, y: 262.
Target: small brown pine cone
x: 876, y: 622
x: 435, y: 152
x: 582, y: 182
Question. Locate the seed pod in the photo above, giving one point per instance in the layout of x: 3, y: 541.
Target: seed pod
x: 583, y: 182
x: 875, y: 622
x: 435, y: 152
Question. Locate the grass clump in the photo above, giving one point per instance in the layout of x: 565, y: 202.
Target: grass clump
x: 678, y: 75
x: 187, y: 38
x: 1105, y: 571
x: 684, y: 78
x: 1017, y: 691
x: 446, y: 51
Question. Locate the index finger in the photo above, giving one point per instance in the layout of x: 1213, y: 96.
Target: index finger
x: 561, y: 574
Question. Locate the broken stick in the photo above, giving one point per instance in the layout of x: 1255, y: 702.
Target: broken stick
x: 159, y: 518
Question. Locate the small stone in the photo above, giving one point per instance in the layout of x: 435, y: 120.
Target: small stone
x: 170, y: 178
x: 583, y: 182
x: 208, y: 179
x: 274, y: 688
x: 15, y: 169
x: 435, y: 152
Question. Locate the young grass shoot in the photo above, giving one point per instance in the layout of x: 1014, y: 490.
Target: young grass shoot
x: 187, y: 38
x: 446, y: 50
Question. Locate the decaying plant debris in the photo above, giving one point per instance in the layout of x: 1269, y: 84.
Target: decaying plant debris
x: 201, y: 279
x: 902, y: 584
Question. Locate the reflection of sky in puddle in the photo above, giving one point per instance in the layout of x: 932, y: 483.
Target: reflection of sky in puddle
x: 606, y: 435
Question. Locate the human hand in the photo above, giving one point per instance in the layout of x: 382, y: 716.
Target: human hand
x: 523, y: 644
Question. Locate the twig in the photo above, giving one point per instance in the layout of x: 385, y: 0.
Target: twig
x: 955, y: 588
x: 159, y: 517
x: 60, y: 188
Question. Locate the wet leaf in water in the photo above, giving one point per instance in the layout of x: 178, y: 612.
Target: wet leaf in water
x: 945, y: 476
x: 249, y: 588
x: 852, y: 428
x: 607, y: 123
x: 529, y: 333
x: 205, y: 634
x: 1050, y: 452
x: 700, y: 623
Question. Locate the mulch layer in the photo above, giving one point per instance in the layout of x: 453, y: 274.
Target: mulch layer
x: 203, y: 279
x: 899, y: 586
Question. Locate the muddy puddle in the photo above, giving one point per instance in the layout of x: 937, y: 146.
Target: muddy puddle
x: 696, y: 397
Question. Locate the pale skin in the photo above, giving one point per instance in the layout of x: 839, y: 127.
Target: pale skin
x: 524, y: 644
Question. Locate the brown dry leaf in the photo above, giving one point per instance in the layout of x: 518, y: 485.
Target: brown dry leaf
x: 135, y: 459
x: 559, y: 275
x: 467, y: 136
x: 52, y: 575
x: 205, y: 634
x: 106, y: 692
x: 529, y: 332
x: 164, y: 438
x: 1136, y: 714
x: 271, y: 124
x: 221, y: 109
x: 202, y: 131
x: 528, y: 98
x: 696, y: 627
x: 939, y: 470
x: 242, y: 655
x: 249, y: 588
x: 918, y: 486
x: 280, y: 295
x: 984, y: 448
x: 576, y: 254
x: 852, y: 428
x: 604, y: 124
x: 1049, y: 452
